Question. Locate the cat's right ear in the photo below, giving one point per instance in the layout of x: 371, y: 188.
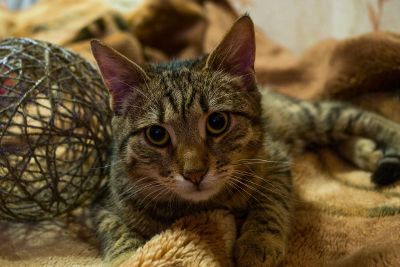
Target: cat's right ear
x: 120, y: 75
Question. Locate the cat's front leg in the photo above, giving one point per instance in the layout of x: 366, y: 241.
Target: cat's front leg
x: 263, y: 236
x: 118, y: 242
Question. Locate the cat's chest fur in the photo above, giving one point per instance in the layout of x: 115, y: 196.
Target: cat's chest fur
x: 167, y: 213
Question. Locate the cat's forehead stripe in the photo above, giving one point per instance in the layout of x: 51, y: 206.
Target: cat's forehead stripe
x: 161, y: 112
x: 171, y: 100
x: 179, y: 90
x: 203, y: 103
x: 191, y: 97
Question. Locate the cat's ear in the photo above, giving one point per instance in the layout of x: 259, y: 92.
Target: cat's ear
x: 235, y: 54
x: 120, y: 74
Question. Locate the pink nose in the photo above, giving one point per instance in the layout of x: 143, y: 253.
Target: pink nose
x: 195, y: 176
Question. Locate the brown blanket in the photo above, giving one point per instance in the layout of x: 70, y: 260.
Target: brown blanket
x: 339, y: 219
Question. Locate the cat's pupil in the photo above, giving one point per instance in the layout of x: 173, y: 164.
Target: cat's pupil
x: 157, y: 133
x: 217, y: 123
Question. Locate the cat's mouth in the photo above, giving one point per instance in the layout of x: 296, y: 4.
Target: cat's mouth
x: 204, y: 191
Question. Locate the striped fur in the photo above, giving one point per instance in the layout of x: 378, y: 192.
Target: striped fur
x: 248, y: 166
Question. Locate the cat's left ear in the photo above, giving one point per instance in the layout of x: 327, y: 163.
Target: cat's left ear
x: 235, y: 54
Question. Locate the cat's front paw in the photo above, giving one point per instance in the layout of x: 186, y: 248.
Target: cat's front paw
x: 258, y: 250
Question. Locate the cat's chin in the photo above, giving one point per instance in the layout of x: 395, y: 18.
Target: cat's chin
x: 209, y: 188
x: 198, y: 195
x: 204, y: 192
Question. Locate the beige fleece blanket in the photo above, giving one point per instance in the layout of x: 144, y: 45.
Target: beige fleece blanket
x: 339, y: 219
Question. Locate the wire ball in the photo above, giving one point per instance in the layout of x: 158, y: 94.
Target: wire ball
x: 54, y: 130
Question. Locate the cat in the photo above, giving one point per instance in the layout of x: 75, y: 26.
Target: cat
x: 197, y: 135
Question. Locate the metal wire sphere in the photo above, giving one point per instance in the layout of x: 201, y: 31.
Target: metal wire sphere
x: 54, y: 130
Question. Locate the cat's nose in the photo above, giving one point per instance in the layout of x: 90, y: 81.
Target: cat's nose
x: 195, y: 176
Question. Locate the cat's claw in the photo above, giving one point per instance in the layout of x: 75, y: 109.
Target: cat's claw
x: 387, y: 171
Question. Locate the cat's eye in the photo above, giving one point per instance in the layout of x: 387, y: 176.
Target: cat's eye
x: 217, y: 123
x: 157, y: 135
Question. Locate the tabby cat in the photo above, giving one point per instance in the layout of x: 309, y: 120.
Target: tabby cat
x: 198, y: 135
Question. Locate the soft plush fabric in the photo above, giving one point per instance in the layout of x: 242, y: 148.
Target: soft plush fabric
x: 340, y: 219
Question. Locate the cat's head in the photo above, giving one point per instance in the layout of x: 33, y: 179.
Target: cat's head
x: 186, y: 127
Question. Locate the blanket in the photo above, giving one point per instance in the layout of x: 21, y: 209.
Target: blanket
x: 339, y: 219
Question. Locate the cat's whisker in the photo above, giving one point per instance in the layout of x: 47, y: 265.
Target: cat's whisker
x: 254, y: 188
x: 252, y: 174
x: 262, y: 160
x: 136, y: 189
x: 228, y: 187
x: 270, y: 186
x: 254, y: 194
x: 238, y: 181
x: 160, y: 187
x: 242, y: 189
x: 148, y: 199
x: 153, y: 197
x: 233, y: 185
x: 155, y: 190
x: 274, y: 166
x: 141, y: 189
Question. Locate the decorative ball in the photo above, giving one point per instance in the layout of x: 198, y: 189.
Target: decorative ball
x: 54, y: 130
